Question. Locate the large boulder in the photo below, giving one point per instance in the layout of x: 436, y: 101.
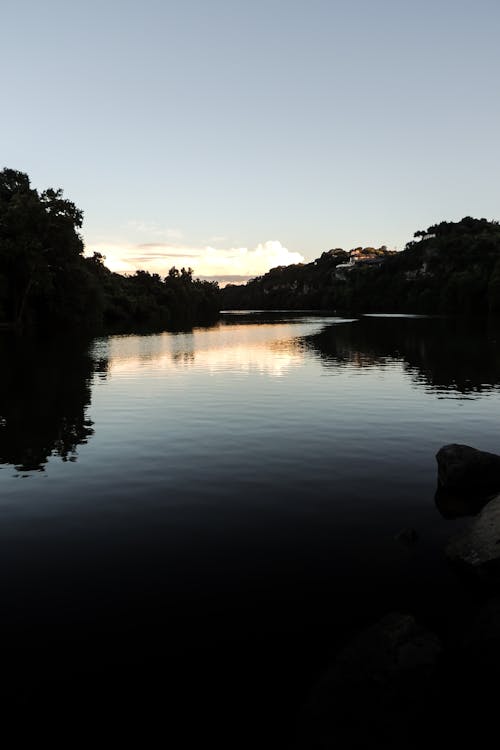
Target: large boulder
x: 478, y: 546
x: 482, y: 638
x: 464, y: 469
x: 378, y: 691
x: 455, y: 504
x: 471, y: 671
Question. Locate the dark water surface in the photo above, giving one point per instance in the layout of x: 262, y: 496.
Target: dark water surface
x: 191, y: 523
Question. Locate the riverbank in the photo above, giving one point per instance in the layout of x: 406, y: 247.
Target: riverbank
x: 413, y: 675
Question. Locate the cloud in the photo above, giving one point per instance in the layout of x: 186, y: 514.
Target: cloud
x: 210, y: 262
x: 156, y: 249
x: 242, y: 261
x: 230, y: 278
x: 138, y: 260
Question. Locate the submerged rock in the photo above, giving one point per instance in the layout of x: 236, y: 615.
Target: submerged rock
x: 379, y: 688
x: 478, y: 547
x: 482, y: 638
x: 464, y: 469
x: 407, y: 537
x: 472, y: 667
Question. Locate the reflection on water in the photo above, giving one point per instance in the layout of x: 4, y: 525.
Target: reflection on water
x: 45, y: 388
x: 458, y: 356
x: 264, y: 348
x: 236, y: 498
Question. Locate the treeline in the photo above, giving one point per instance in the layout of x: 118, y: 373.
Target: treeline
x: 46, y: 280
x: 148, y: 299
x: 451, y: 267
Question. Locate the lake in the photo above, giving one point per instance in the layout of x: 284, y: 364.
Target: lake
x: 192, y: 522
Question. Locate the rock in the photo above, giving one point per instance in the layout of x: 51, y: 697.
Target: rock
x: 387, y: 649
x: 478, y: 547
x: 482, y: 638
x: 379, y: 686
x: 454, y: 504
x: 406, y: 537
x: 465, y: 469
x: 471, y: 673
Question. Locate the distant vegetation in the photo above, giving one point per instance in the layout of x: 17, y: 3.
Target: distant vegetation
x: 45, y: 279
x: 451, y: 267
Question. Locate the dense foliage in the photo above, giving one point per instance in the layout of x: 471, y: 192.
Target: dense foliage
x: 146, y: 299
x: 45, y: 278
x: 452, y: 267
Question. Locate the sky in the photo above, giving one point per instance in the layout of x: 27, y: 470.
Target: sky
x: 232, y: 136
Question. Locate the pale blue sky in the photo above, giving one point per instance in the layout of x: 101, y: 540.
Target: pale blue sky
x: 182, y: 126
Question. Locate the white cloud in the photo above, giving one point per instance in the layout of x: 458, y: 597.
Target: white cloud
x: 205, y: 261
x: 245, y: 262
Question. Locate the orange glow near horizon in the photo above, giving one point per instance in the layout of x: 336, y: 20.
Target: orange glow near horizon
x: 265, y: 349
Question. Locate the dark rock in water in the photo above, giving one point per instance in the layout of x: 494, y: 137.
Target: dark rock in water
x: 407, y: 537
x: 471, y: 675
x: 478, y: 547
x: 378, y: 689
x: 453, y: 504
x: 482, y: 638
x: 465, y: 469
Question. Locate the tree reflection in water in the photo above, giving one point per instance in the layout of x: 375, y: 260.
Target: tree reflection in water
x: 45, y: 389
x: 452, y: 355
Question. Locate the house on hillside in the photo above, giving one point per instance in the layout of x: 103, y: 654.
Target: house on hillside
x: 363, y: 256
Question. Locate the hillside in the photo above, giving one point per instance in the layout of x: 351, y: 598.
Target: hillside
x: 451, y: 267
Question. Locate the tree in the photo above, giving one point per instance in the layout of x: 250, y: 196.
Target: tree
x: 39, y: 246
x: 46, y: 281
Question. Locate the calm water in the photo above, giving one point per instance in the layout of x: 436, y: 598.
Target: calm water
x: 219, y: 506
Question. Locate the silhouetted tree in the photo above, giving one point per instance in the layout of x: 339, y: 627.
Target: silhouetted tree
x: 46, y: 280
x: 39, y: 243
